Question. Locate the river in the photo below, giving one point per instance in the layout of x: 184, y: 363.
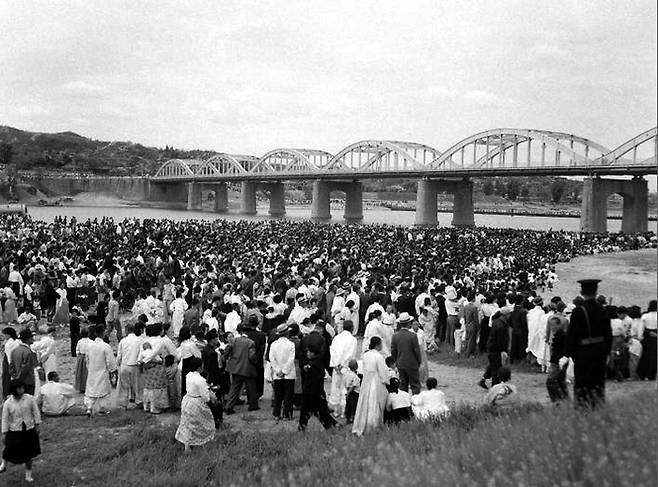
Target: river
x: 376, y: 215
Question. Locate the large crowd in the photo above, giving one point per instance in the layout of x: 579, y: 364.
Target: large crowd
x: 190, y: 314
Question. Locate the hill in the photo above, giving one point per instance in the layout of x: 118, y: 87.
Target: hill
x: 71, y: 152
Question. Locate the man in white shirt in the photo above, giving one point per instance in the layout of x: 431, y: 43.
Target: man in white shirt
x: 233, y: 319
x: 130, y: 378
x: 342, y: 350
x: 300, y: 312
x: 56, y: 399
x: 282, y: 360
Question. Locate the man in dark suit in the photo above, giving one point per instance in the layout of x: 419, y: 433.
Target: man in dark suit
x: 405, y: 350
x: 260, y: 341
x: 24, y: 361
x: 241, y: 364
x: 589, y: 338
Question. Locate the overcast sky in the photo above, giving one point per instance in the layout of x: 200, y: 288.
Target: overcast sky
x: 246, y: 77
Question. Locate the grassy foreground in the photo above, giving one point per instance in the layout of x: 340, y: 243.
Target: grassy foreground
x: 529, y: 446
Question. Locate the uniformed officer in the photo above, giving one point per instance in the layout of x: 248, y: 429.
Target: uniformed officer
x: 589, y: 338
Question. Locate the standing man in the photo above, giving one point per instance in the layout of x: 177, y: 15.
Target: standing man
x: 497, y: 344
x: 241, y: 364
x: 24, y: 361
x: 405, y: 350
x: 341, y: 351
x: 519, y: 324
x: 130, y: 380
x: 112, y: 318
x: 472, y: 324
x: 100, y: 364
x: 260, y: 342
x: 282, y: 359
x: 589, y: 338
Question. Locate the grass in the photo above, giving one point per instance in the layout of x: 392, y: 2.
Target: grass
x: 447, y: 356
x: 530, y: 445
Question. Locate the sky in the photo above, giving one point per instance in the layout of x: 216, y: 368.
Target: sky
x: 245, y: 77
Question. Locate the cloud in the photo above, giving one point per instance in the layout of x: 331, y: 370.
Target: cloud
x: 549, y: 51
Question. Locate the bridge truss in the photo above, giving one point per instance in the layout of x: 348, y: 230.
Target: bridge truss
x: 497, y: 151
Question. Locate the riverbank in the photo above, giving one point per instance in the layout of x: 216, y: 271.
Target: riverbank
x: 627, y: 278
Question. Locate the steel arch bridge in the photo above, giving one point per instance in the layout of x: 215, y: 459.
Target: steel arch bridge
x: 511, y: 152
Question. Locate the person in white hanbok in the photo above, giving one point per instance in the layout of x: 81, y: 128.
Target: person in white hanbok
x: 537, y: 320
x: 372, y: 398
x: 429, y: 404
x: 342, y: 349
x: 197, y: 426
x: 46, y: 351
x: 374, y: 328
x: 178, y: 308
x: 100, y: 363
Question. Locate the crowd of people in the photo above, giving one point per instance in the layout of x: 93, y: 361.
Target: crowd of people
x: 190, y: 314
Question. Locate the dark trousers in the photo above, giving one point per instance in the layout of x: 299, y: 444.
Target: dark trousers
x: 409, y: 378
x: 237, y: 383
x: 314, y: 405
x: 396, y: 416
x: 472, y: 330
x: 260, y: 381
x: 495, y: 363
x: 484, y: 334
x: 283, y: 392
x: 441, y: 329
x: 216, y: 408
x: 556, y: 383
x: 74, y: 343
x: 519, y: 344
x: 351, y: 400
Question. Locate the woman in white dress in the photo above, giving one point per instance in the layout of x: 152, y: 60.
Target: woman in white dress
x: 178, y: 308
x: 197, y: 426
x: 372, y: 399
x: 423, y: 372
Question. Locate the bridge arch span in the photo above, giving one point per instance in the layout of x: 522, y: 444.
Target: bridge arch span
x: 383, y: 155
x: 616, y: 155
x: 286, y: 161
x: 178, y: 167
x: 491, y: 147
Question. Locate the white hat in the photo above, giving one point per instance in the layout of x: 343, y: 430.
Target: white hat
x: 405, y: 318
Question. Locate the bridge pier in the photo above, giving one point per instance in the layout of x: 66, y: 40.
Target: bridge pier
x: 193, y: 196
x: 221, y: 198
x: 462, y: 209
x: 353, y: 201
x: 426, y: 206
x: 248, y: 198
x: 594, y: 211
x: 320, y: 207
x: 277, y: 199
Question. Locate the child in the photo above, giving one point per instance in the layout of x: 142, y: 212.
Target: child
x: 430, y: 404
x: 392, y: 369
x: 171, y: 371
x: 503, y: 394
x: 147, y: 354
x: 353, y: 387
x: 398, y: 403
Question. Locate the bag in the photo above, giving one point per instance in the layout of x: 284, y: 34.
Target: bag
x: 114, y: 378
x: 268, y: 372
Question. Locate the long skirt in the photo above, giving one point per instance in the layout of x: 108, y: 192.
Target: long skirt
x: 81, y: 373
x: 370, y: 408
x: 21, y: 446
x: 62, y: 316
x: 423, y: 370
x: 11, y: 315
x: 155, y: 386
x: 197, y: 425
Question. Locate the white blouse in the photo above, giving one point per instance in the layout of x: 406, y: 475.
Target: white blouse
x: 197, y: 386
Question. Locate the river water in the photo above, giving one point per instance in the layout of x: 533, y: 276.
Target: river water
x: 376, y: 215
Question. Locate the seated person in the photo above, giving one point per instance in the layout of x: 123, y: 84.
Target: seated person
x: 398, y: 403
x: 57, y: 399
x: 429, y: 404
x: 502, y: 394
